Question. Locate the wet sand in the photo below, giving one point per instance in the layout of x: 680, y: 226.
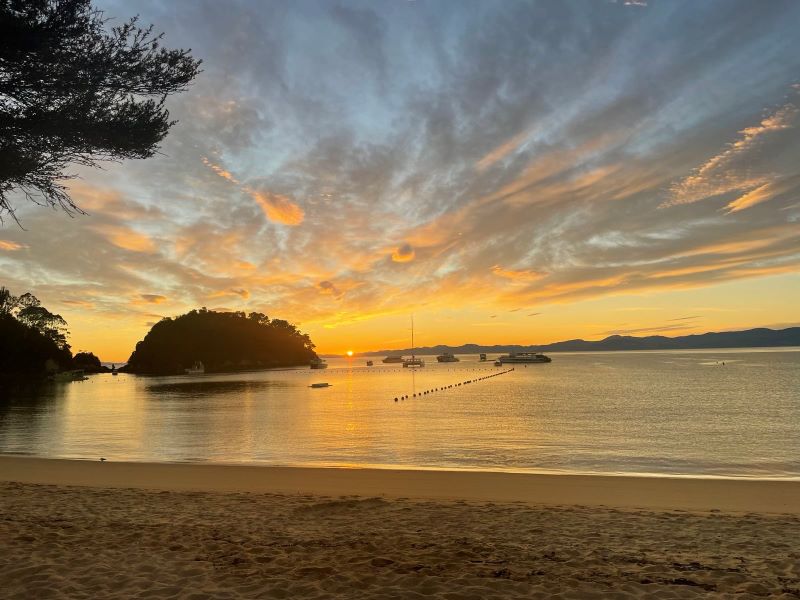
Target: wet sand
x: 77, y: 529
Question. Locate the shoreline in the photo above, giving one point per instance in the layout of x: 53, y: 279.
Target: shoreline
x: 615, y: 491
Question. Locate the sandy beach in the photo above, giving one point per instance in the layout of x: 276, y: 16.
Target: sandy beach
x: 78, y: 529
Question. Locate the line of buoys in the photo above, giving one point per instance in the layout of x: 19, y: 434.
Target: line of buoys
x: 452, y: 385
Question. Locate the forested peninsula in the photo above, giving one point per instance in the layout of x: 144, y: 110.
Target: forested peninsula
x: 222, y: 342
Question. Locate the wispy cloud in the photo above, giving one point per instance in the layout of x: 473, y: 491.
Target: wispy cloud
x: 640, y: 330
x: 729, y: 170
x: 10, y: 246
x: 686, y: 318
x: 220, y: 171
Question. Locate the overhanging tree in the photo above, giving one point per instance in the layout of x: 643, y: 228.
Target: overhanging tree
x: 73, y: 92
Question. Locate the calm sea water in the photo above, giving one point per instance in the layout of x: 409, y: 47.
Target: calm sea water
x: 675, y: 413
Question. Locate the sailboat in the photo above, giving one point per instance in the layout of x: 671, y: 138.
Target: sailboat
x: 413, y: 361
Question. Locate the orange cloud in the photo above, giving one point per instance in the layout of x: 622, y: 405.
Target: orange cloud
x: 403, y: 253
x: 79, y: 303
x: 718, y: 175
x: 241, y: 292
x: 219, y: 170
x: 153, y: 298
x: 277, y: 208
x: 126, y: 238
x: 329, y: 289
x: 11, y: 246
x: 516, y: 275
x: 756, y: 196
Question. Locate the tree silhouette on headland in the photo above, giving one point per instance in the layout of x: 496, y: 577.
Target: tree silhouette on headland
x: 72, y: 92
x: 222, y: 341
x: 32, y: 339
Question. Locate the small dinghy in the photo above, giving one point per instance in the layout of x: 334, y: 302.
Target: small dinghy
x: 320, y: 385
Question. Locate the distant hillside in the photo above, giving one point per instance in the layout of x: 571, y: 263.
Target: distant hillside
x: 222, y: 341
x: 751, y: 338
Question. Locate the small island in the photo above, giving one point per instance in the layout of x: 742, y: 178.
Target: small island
x: 222, y: 341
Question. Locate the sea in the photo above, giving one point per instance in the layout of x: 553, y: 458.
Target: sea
x: 698, y: 413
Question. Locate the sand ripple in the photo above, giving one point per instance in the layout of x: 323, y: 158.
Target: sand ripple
x: 61, y: 542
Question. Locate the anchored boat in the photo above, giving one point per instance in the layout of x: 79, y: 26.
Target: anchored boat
x: 524, y: 358
x: 196, y: 369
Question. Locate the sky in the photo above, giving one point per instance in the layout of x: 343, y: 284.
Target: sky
x: 507, y: 172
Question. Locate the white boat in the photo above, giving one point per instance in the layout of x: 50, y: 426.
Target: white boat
x: 196, y: 369
x: 524, y: 358
x: 393, y: 359
x: 318, y: 363
x: 447, y: 357
x: 413, y: 361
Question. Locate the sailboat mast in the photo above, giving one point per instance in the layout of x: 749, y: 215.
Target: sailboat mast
x: 412, y: 336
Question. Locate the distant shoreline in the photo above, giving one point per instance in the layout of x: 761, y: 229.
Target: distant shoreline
x: 454, y: 350
x: 760, y: 337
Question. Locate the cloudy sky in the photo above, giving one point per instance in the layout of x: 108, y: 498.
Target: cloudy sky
x: 509, y: 172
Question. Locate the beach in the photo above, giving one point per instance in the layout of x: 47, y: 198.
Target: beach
x: 81, y: 529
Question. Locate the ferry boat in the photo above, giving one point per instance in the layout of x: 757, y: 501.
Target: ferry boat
x: 447, y: 357
x: 196, y: 369
x: 524, y: 357
x: 393, y: 359
x: 318, y: 363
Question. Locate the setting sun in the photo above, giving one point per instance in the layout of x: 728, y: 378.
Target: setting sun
x: 349, y: 353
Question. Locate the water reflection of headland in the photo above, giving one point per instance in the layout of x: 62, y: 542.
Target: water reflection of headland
x: 197, y: 388
x: 26, y: 408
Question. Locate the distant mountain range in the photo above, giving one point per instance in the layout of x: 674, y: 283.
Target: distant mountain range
x: 751, y: 338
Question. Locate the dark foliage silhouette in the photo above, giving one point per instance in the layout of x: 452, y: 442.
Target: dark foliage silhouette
x: 222, y: 342
x: 88, y: 362
x: 72, y: 92
x: 32, y: 339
